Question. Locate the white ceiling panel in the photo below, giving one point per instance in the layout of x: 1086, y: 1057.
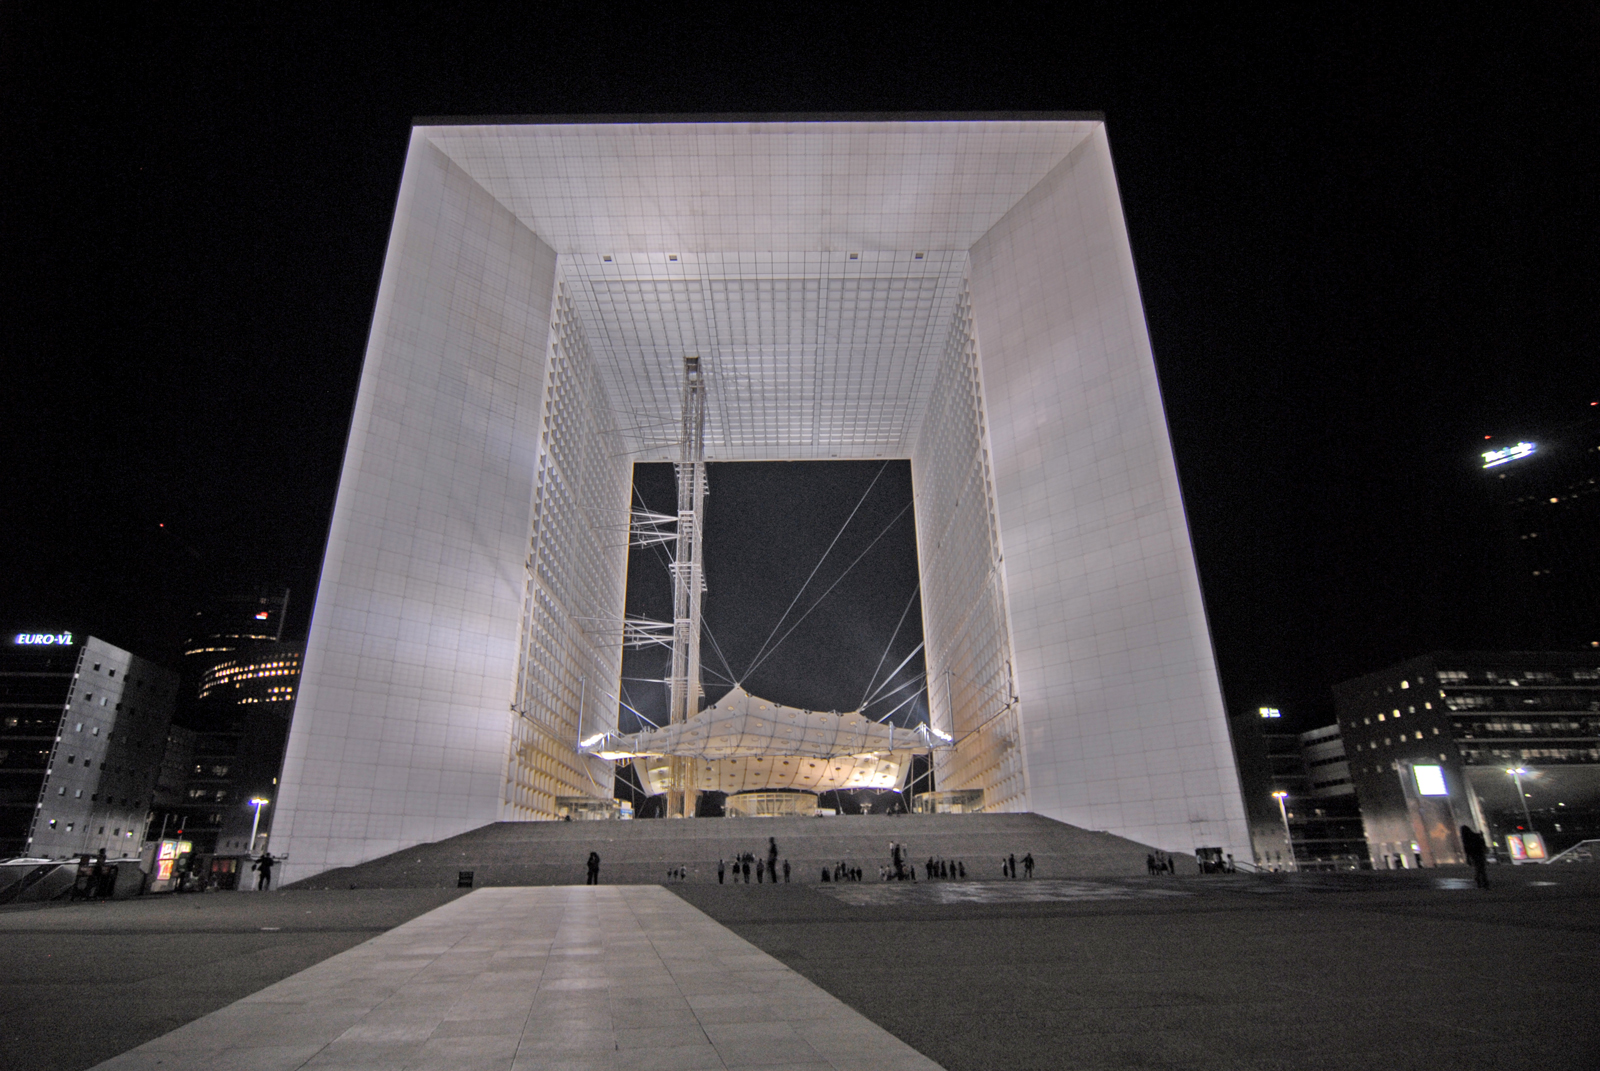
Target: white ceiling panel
x: 813, y: 266
x: 783, y: 187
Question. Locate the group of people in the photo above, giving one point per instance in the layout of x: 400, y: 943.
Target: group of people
x: 766, y: 870
x: 746, y: 865
x: 1008, y: 866
x: 1159, y: 862
x: 842, y: 872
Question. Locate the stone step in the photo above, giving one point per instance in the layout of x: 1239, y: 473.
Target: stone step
x: 641, y: 852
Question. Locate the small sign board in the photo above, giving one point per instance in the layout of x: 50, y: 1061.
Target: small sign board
x: 1526, y: 847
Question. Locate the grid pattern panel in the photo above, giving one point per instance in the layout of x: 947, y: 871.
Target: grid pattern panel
x: 970, y: 688
x: 813, y: 355
x: 1125, y: 726
x: 577, y: 570
x: 782, y: 186
x: 403, y: 720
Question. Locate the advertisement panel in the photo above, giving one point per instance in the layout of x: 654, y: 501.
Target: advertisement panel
x: 169, y: 857
x: 1526, y: 847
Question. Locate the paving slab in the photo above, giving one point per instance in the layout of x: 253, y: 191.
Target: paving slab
x: 529, y: 979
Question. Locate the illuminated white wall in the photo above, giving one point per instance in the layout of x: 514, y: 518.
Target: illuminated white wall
x: 885, y: 288
x: 401, y: 729
x: 1123, y: 721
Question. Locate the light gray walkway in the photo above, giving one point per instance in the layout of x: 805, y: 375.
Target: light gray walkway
x: 517, y: 979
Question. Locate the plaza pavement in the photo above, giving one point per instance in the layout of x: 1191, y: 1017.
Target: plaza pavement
x: 1406, y: 970
x: 537, y: 978
x: 1338, y: 972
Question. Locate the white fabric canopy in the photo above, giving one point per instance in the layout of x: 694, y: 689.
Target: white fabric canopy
x: 743, y: 743
x: 741, y: 725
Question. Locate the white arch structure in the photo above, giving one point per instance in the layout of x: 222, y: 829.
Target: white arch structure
x: 959, y: 292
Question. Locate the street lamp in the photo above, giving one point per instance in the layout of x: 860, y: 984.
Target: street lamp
x: 1283, y: 812
x: 1516, y: 772
x: 257, y: 802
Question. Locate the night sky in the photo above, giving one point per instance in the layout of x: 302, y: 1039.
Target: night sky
x: 1365, y: 239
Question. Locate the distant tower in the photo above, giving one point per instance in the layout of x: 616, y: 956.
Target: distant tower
x: 688, y: 577
x: 240, y: 681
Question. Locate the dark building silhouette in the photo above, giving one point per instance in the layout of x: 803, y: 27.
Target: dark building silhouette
x: 1320, y: 806
x: 1546, y: 492
x: 240, y: 679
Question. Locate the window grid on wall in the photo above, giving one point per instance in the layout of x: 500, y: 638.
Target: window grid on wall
x: 577, y: 562
x: 970, y: 687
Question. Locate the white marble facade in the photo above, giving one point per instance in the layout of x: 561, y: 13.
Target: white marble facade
x: 828, y: 273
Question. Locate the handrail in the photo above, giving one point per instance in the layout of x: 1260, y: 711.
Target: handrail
x: 1585, y: 851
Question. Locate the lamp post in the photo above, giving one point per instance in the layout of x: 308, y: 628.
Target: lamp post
x: 257, y: 802
x: 1522, y: 797
x: 1283, y: 812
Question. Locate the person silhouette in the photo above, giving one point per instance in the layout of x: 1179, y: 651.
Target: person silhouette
x: 264, y: 865
x: 594, y: 869
x: 1477, y: 853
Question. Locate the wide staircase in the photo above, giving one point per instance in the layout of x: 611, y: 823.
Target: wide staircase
x: 641, y: 852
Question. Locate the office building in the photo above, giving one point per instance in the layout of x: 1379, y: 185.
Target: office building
x: 1507, y: 743
x: 1325, y: 816
x: 959, y: 293
x: 83, y: 726
x: 1303, y: 809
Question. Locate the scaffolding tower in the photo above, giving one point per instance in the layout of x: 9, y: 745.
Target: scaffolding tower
x: 688, y: 579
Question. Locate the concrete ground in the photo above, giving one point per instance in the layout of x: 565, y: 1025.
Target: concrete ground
x: 1393, y: 970
x: 1352, y: 971
x: 566, y: 978
x: 80, y: 983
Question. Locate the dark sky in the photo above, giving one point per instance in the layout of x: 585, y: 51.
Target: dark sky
x: 810, y: 567
x: 1365, y: 240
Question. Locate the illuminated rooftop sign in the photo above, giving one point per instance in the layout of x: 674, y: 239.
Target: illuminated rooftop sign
x: 43, y: 639
x: 1491, y: 458
x: 1271, y: 712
